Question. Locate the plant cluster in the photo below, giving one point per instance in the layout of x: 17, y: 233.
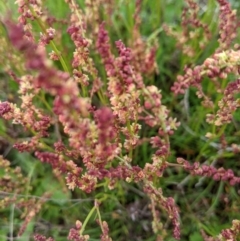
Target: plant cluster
x: 89, y: 105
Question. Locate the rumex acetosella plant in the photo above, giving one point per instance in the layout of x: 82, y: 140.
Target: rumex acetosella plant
x: 113, y: 107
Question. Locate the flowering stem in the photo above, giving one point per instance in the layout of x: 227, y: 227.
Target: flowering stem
x: 173, y: 164
x: 84, y: 91
x: 60, y: 56
x: 100, y: 219
x: 130, y: 131
x: 101, y: 97
x: 41, y: 25
x: 44, y: 101
x: 78, y: 15
x: 125, y: 162
x: 87, y: 219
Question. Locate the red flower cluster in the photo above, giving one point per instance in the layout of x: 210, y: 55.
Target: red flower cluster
x: 219, y: 174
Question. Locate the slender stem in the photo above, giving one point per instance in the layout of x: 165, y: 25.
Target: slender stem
x: 44, y: 101
x: 64, y: 65
x: 100, y: 219
x: 125, y: 162
x: 11, y: 222
x: 173, y: 164
x: 101, y: 97
x: 86, y: 220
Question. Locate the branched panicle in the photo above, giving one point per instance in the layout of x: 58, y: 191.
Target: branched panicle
x: 228, y: 104
x: 104, y: 49
x: 82, y: 63
x: 143, y: 52
x: 96, y: 141
x: 123, y: 63
x: 232, y: 233
x: 90, y: 118
x: 39, y: 237
x: 169, y: 206
x: 228, y: 25
x: 4, y: 108
x: 17, y: 37
x: 107, y: 131
x: 75, y: 235
x: 12, y: 181
x: 32, y: 211
x: 192, y: 28
x: 219, y: 174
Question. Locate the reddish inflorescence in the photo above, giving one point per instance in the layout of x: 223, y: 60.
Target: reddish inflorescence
x: 98, y: 124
